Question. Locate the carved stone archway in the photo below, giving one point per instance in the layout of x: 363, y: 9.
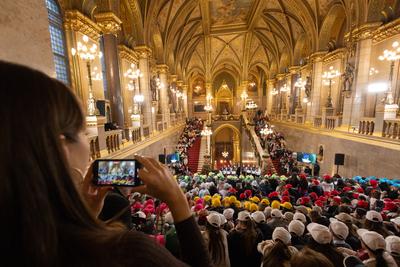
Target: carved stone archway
x: 224, y: 100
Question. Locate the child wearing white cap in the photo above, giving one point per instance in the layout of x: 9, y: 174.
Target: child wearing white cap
x: 339, y: 231
x: 277, y: 252
x: 393, y: 247
x: 296, y: 229
x: 375, y: 245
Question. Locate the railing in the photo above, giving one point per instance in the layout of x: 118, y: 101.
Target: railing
x: 159, y: 117
x: 300, y: 119
x: 94, y: 147
x: 113, y: 139
x: 254, y: 140
x: 136, y: 135
x: 146, y: 131
x: 229, y: 117
x: 159, y: 126
x: 330, y: 122
x: 366, y: 126
x: 317, y: 121
x: 391, y: 129
x: 293, y: 118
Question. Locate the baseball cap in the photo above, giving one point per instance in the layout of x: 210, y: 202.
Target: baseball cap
x: 228, y: 213
x: 319, y: 233
x: 281, y: 234
x: 352, y: 261
x: 344, y: 217
x: 339, y: 229
x: 275, y: 213
x: 296, y: 227
x: 267, y: 212
x: 302, y: 209
x: 374, y: 216
x: 393, y: 245
x: 373, y: 240
x: 243, y: 215
x: 214, y: 219
x: 222, y: 219
x: 396, y: 220
x: 287, y: 205
x: 300, y: 216
x: 288, y: 216
x: 258, y: 216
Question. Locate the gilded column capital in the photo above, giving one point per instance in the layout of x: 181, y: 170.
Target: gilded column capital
x: 335, y: 54
x: 317, y: 56
x: 280, y: 76
x: 76, y: 21
x: 143, y: 51
x: 128, y: 54
x: 179, y: 83
x: 162, y: 68
x: 108, y: 22
x: 294, y: 69
x: 173, y: 77
x: 185, y: 87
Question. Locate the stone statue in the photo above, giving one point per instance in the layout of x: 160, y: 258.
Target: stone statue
x: 308, y: 86
x: 153, y: 88
x: 348, y: 77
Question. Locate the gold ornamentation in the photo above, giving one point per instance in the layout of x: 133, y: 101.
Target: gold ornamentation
x: 162, y: 68
x: 386, y: 31
x: 76, y: 21
x: 108, y: 22
x: 335, y: 54
x: 363, y: 32
x: 143, y: 51
x: 128, y: 54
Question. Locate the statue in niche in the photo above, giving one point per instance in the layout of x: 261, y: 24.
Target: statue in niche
x: 348, y: 77
x: 308, y: 87
x: 320, y: 155
x: 153, y: 88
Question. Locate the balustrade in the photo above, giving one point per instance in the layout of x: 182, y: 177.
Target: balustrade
x: 136, y: 135
x: 113, y: 139
x: 94, y: 147
x: 317, y: 121
x: 146, y: 131
x: 391, y: 129
x: 366, y: 126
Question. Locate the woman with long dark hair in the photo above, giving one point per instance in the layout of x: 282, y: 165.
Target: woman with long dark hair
x: 216, y: 240
x: 47, y: 201
x: 375, y: 245
x: 242, y: 242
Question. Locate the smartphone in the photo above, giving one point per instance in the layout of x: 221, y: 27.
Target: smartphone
x: 112, y: 172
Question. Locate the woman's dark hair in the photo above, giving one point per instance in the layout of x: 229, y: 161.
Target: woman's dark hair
x: 44, y: 217
x: 328, y: 250
x: 309, y: 258
x: 278, y: 254
x: 249, y: 236
x: 215, y: 244
x: 379, y: 259
x: 378, y: 227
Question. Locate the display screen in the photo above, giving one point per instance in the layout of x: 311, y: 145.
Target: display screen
x: 306, y: 157
x: 118, y: 173
x: 172, y: 158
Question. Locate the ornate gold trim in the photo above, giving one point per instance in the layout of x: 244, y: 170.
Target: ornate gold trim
x: 363, y: 32
x: 294, y: 69
x: 143, y: 51
x: 335, y: 54
x: 162, y: 68
x: 76, y: 21
x: 128, y: 54
x: 108, y: 22
x: 317, y: 56
x: 387, y: 31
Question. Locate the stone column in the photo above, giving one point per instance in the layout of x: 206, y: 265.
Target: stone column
x: 315, y: 107
x: 270, y: 96
x: 354, y: 107
x: 179, y: 84
x: 163, y: 74
x: 111, y: 25
x: 144, y: 54
x: 184, y: 99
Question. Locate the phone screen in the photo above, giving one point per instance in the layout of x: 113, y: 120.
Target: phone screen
x: 116, y: 173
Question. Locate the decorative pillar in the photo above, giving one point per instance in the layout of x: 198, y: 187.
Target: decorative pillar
x: 185, y: 98
x: 179, y: 85
x: 270, y: 96
x: 316, y: 84
x: 354, y: 107
x: 144, y: 54
x: 294, y: 70
x: 111, y: 25
x: 163, y: 75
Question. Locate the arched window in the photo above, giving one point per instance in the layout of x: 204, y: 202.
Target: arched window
x: 57, y: 39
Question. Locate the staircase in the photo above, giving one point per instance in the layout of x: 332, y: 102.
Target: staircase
x: 193, y: 155
x: 203, y: 151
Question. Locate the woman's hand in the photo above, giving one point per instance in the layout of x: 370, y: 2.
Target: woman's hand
x: 159, y: 183
x: 93, y: 195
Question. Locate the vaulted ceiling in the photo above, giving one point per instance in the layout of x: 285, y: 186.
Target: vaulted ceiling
x: 239, y: 36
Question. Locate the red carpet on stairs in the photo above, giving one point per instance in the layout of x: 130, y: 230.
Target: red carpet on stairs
x: 193, y: 155
x: 276, y: 163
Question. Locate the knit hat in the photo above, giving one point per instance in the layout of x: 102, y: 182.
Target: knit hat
x: 275, y: 204
x: 275, y: 213
x: 285, y: 199
x: 344, y: 217
x: 393, y: 245
x: 214, y: 219
x: 281, y: 234
x: 339, y: 229
x: 319, y: 233
x: 373, y: 240
x: 228, y: 213
x: 302, y: 209
x: 258, y: 216
x: 300, y: 217
x: 288, y: 216
x: 287, y: 205
x: 373, y: 216
x: 296, y: 227
x: 243, y: 215
x: 265, y: 201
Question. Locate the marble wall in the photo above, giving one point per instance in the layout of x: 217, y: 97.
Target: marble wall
x: 362, y: 157
x: 24, y: 34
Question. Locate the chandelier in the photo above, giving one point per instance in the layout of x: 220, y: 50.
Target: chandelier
x: 206, y: 132
x: 251, y: 105
x: 266, y: 131
x: 274, y: 91
x: 225, y: 154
